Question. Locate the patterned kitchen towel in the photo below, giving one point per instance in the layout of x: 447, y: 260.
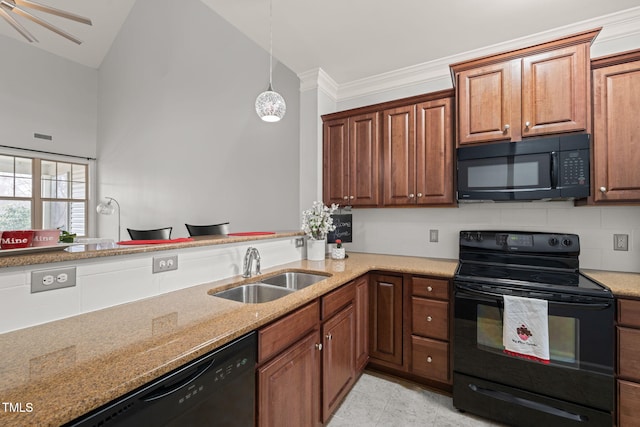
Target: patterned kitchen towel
x: 525, y: 329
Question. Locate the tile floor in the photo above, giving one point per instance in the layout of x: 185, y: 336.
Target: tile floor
x: 378, y: 400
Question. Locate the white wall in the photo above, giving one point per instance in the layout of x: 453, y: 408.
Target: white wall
x: 43, y: 93
x: 179, y: 140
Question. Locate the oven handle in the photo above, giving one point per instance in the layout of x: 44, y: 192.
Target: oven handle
x: 588, y: 305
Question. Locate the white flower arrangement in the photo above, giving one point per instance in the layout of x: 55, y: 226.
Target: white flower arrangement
x: 317, y: 221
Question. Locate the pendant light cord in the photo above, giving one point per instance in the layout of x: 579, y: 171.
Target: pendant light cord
x: 270, y: 43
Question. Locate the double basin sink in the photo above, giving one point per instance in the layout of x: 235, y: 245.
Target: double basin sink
x: 270, y: 288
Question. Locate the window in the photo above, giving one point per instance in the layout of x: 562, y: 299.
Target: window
x: 37, y: 193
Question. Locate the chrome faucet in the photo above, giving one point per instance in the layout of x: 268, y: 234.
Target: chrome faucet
x: 252, y: 253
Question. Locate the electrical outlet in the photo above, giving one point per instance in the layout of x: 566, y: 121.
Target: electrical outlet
x: 433, y: 236
x: 299, y: 242
x: 620, y: 242
x: 48, y: 280
x: 165, y: 263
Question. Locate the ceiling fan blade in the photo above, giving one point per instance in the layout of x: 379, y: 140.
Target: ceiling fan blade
x: 15, y: 24
x: 52, y: 10
x: 45, y: 24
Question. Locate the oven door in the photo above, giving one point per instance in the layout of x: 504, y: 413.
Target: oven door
x: 581, y: 340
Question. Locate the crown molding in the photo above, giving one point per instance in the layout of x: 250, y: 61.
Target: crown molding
x: 319, y: 79
x: 617, y: 25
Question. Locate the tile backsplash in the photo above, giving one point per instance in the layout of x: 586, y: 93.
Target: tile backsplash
x: 406, y: 231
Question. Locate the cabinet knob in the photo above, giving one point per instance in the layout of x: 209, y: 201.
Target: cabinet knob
x: 603, y: 189
x: 429, y: 289
x: 429, y: 359
x: 319, y: 347
x: 346, y: 197
x: 329, y: 337
x: 527, y: 125
x: 506, y: 128
x: 419, y: 194
x: 429, y: 318
x: 351, y: 197
x: 411, y: 196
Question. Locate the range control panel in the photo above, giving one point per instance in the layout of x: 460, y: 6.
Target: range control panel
x: 519, y: 241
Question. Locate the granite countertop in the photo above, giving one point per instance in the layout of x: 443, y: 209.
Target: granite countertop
x: 64, y: 369
x: 86, y: 251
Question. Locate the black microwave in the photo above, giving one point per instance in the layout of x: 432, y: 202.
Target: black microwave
x: 552, y: 168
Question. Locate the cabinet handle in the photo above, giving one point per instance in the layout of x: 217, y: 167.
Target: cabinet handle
x: 346, y: 197
x: 527, y: 124
x: 351, y: 197
x: 429, y: 289
x: 329, y: 337
x: 429, y: 359
x: 419, y: 194
x: 411, y: 196
x: 319, y: 347
x: 506, y: 128
x: 603, y: 189
x: 429, y: 318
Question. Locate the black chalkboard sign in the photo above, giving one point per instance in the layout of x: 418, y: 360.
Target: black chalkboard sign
x: 343, y: 231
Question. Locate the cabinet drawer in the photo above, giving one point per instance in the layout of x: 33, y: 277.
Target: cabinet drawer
x: 430, y: 318
x: 629, y: 353
x: 430, y: 359
x: 341, y: 297
x: 629, y: 312
x: 430, y: 288
x: 628, y: 403
x: 281, y: 334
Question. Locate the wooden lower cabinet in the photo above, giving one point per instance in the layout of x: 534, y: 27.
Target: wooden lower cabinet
x: 309, y: 359
x: 385, y: 321
x: 338, y: 359
x: 362, y: 322
x: 628, y: 384
x: 430, y: 359
x: 289, y: 386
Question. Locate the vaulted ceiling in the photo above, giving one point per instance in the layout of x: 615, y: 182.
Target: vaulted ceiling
x: 349, y: 40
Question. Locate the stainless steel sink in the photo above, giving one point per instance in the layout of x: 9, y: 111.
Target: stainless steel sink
x: 294, y: 280
x: 254, y: 293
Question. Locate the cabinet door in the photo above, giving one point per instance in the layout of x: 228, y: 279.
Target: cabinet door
x: 629, y: 353
x: 362, y: 322
x: 336, y: 161
x: 399, y: 155
x: 364, y: 150
x: 628, y: 403
x: 489, y: 103
x: 555, y: 91
x: 338, y: 359
x: 616, y: 136
x: 385, y: 326
x: 289, y: 386
x: 434, y: 152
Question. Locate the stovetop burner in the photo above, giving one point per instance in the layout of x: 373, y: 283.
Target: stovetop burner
x: 525, y: 260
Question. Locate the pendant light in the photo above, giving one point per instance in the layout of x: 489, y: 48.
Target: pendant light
x: 270, y: 105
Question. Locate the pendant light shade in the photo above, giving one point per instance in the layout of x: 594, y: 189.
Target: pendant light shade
x: 270, y: 105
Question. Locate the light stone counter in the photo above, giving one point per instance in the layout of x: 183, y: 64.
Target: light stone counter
x: 66, y: 368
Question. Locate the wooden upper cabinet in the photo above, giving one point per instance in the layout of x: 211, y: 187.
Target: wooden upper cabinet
x: 539, y: 90
x: 434, y: 152
x: 616, y: 128
x: 399, y: 155
x: 485, y: 98
x: 350, y: 160
x: 336, y: 160
x: 418, y: 154
x: 555, y: 91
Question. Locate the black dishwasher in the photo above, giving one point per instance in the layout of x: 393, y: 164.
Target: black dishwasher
x: 217, y: 389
